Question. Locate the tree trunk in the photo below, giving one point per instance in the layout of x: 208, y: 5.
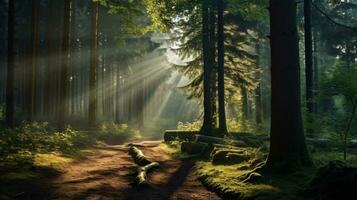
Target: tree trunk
x: 10, y: 106
x: 32, y: 72
x: 308, y: 56
x: 220, y: 67
x: 117, y: 94
x: 93, y: 65
x: 308, y: 63
x: 66, y: 45
x: 245, y: 103
x: 49, y: 69
x: 258, y: 91
x: 207, y: 71
x: 73, y: 52
x: 350, y: 120
x: 287, y: 145
x: 316, y: 69
x: 212, y: 60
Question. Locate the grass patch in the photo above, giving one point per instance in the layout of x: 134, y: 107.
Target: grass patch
x: 228, y: 182
x: 51, y: 160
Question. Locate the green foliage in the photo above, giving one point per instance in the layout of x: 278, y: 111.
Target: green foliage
x: 189, y: 126
x: 323, y: 125
x: 28, y: 139
x: 241, y: 126
x: 249, y: 9
x: 130, y: 13
x: 342, y: 81
x: 112, y: 133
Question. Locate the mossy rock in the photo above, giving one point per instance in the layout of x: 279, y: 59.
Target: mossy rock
x: 228, y: 157
x: 334, y: 181
x: 193, y: 147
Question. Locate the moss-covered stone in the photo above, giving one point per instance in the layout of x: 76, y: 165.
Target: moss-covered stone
x: 229, y: 157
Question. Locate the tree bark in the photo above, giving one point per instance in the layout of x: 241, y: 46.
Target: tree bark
x: 207, y: 72
x: 220, y: 67
x: 32, y: 72
x: 49, y: 69
x: 287, y: 145
x: 245, y: 103
x: 315, y: 68
x: 10, y: 105
x: 212, y: 60
x: 66, y: 45
x: 258, y: 91
x: 93, y: 65
x: 308, y: 63
x: 308, y: 56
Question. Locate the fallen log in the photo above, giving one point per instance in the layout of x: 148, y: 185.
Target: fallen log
x: 171, y: 135
x: 216, y: 140
x: 145, y: 166
x: 141, y: 177
x: 138, y: 156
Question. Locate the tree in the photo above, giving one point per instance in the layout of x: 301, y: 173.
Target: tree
x: 10, y: 104
x: 207, y: 126
x: 258, y: 91
x: 53, y: 58
x: 220, y: 67
x: 93, y: 65
x: 31, y: 109
x: 65, y: 59
x: 287, y: 141
x: 309, y: 73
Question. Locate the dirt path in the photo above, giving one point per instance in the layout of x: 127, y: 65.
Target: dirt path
x: 106, y: 174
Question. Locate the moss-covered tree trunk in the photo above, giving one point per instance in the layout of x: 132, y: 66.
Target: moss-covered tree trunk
x: 287, y: 145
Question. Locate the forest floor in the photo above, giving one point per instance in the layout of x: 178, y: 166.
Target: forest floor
x: 107, y: 171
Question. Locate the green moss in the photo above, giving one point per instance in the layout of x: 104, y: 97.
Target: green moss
x: 229, y: 182
x: 51, y: 160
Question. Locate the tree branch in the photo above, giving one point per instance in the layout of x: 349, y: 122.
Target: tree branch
x: 330, y: 18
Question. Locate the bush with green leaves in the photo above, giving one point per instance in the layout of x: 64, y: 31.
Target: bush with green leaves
x: 29, y: 139
x: 111, y: 133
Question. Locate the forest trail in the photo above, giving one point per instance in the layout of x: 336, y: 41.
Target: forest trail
x: 107, y: 173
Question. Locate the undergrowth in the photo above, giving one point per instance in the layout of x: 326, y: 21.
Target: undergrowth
x: 31, y: 152
x: 229, y: 180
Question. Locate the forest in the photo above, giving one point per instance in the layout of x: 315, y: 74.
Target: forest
x: 178, y: 99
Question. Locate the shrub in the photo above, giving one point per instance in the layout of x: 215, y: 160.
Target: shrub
x: 111, y: 133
